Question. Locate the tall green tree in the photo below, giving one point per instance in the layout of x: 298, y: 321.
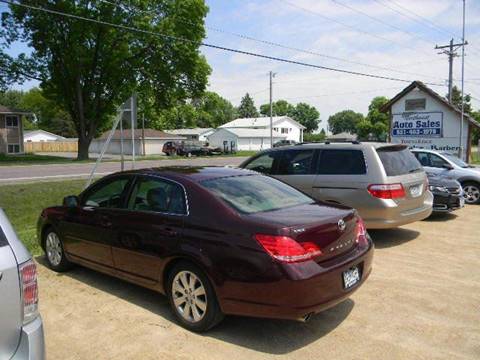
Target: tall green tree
x: 213, y: 110
x: 306, y: 115
x: 12, y: 98
x: 375, y: 115
x: 247, y: 108
x: 457, y: 100
x: 279, y: 108
x: 344, y: 121
x: 89, y: 68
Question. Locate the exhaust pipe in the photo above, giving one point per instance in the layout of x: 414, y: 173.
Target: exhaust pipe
x: 305, y: 318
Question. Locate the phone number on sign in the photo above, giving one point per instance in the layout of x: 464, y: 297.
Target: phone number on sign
x: 417, y: 132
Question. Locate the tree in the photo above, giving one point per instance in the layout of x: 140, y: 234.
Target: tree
x: 279, y: 108
x: 90, y: 68
x: 306, y: 115
x: 364, y: 129
x: 375, y: 115
x: 344, y: 121
x: 457, y: 100
x: 213, y: 110
x: 247, y: 108
x: 12, y: 99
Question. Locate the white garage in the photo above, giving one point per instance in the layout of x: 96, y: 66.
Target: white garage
x: 243, y: 139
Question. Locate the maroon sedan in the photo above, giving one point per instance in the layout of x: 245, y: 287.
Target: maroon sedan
x: 215, y: 240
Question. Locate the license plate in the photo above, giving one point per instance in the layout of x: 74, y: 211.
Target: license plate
x: 416, y: 190
x: 351, y: 277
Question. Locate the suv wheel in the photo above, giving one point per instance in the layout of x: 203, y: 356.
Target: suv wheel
x: 472, y: 192
x: 192, y: 298
x: 54, y: 252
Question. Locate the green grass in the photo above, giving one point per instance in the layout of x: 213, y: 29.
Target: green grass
x: 23, y: 204
x: 475, y: 156
x: 31, y: 159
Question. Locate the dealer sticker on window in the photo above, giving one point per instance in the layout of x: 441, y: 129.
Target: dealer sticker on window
x: 351, y: 277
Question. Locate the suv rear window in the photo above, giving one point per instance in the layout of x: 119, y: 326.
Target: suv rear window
x: 341, y: 162
x: 398, y: 160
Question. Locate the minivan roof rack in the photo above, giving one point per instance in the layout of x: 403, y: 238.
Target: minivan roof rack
x: 328, y: 142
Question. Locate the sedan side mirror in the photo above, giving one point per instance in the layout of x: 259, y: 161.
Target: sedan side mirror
x: 70, y: 201
x: 447, y: 166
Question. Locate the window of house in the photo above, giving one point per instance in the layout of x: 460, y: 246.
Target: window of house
x: 415, y: 104
x: 13, y: 148
x: 284, y: 130
x: 11, y: 120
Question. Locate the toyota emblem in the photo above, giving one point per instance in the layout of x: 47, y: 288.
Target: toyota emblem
x: 341, y: 225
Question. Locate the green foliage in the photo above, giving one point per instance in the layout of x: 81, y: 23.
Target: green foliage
x: 344, y: 121
x: 89, y: 69
x: 247, y: 108
x: 375, y: 115
x: 279, y: 108
x: 310, y: 137
x: 213, y: 110
x: 12, y: 99
x: 306, y: 115
x: 364, y: 129
x: 457, y: 100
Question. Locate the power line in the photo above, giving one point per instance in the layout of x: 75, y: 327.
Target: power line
x: 208, y: 45
x: 352, y: 27
x: 287, y: 47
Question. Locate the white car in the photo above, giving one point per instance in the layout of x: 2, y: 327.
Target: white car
x: 449, y: 166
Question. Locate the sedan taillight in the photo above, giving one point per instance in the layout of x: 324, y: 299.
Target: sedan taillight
x: 361, y: 233
x: 387, y: 191
x: 286, y: 249
x: 28, y: 276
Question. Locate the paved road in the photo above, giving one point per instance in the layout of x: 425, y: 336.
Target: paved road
x: 29, y: 173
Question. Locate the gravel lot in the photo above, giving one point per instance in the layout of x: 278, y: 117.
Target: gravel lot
x: 421, y: 302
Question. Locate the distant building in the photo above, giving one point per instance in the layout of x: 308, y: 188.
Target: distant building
x: 40, y: 136
x: 421, y: 118
x: 195, y: 134
x: 254, y: 133
x: 154, y: 141
x: 11, y: 130
x: 342, y: 137
x: 234, y: 139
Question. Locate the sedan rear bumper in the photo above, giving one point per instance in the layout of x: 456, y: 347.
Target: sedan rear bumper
x: 296, y: 299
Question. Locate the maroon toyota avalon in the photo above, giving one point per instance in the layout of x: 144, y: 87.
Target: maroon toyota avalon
x: 215, y: 240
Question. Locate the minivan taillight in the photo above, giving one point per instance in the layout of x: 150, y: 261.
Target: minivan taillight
x: 361, y: 233
x: 286, y: 249
x: 387, y: 191
x: 28, y: 276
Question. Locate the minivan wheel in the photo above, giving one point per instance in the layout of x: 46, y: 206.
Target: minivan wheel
x: 472, y: 192
x: 54, y: 252
x: 192, y: 298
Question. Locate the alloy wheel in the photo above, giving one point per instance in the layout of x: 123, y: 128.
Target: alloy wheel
x: 472, y: 193
x: 53, y: 249
x: 189, y: 296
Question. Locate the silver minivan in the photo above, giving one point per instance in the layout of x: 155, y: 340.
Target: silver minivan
x: 21, y: 328
x: 384, y: 182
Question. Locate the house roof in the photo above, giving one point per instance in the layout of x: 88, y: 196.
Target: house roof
x: 193, y: 131
x: 343, y: 135
x: 253, y: 133
x: 40, y: 131
x: 149, y: 134
x: 259, y: 122
x: 7, y: 110
x: 438, y: 97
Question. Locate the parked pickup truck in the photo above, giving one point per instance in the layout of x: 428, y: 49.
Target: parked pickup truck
x: 21, y: 329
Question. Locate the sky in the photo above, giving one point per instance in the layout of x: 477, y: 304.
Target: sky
x: 391, y: 38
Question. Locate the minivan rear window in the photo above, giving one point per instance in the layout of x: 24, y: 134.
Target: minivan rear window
x: 341, y: 162
x: 398, y: 160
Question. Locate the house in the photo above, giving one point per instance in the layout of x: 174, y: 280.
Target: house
x: 195, y: 134
x: 342, y: 137
x: 11, y: 130
x: 147, y: 142
x: 283, y: 125
x: 421, y: 118
x: 233, y: 139
x: 40, y: 136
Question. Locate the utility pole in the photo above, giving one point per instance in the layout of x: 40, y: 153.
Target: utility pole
x: 451, y: 53
x: 272, y: 75
x: 143, y: 134
x: 460, y: 150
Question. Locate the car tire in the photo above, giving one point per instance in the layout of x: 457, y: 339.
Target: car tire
x: 472, y: 192
x: 192, y: 298
x: 54, y: 253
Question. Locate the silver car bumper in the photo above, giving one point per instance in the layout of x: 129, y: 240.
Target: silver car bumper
x: 32, y: 342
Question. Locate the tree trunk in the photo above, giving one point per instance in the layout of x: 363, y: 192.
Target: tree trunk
x: 83, y: 145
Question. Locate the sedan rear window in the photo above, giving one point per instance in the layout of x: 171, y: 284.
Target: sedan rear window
x: 398, y: 160
x: 254, y: 193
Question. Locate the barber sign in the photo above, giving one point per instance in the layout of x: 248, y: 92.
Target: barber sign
x: 417, y: 124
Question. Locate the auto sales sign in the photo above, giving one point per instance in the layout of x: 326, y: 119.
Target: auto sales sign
x: 417, y: 124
